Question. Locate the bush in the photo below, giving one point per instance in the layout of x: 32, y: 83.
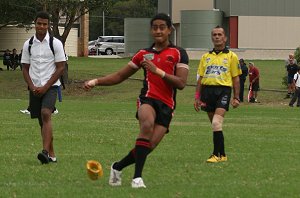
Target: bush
x: 284, y: 81
x: 297, y: 54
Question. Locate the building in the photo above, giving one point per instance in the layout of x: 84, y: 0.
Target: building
x: 256, y: 29
x: 13, y: 37
x: 75, y: 45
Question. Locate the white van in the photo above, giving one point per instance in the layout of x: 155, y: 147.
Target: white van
x: 110, y: 45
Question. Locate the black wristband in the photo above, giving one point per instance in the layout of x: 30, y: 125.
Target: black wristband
x: 237, y: 99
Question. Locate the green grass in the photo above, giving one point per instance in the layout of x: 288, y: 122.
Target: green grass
x: 262, y: 141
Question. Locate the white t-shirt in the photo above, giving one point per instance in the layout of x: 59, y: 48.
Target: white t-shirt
x: 42, y: 60
x: 297, y: 76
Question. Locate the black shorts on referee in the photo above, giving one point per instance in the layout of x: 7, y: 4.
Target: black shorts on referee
x: 215, y: 97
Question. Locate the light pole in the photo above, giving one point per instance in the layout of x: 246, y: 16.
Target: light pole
x: 103, y: 23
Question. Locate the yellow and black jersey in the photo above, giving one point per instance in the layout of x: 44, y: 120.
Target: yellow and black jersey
x: 219, y: 68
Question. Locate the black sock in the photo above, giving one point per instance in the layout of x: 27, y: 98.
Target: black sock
x: 142, y: 149
x: 222, y: 146
x: 126, y: 161
x: 217, y: 138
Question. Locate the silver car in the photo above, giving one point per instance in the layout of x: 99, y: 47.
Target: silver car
x: 110, y: 45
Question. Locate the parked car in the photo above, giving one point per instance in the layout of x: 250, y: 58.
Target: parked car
x: 110, y: 44
x: 92, y: 47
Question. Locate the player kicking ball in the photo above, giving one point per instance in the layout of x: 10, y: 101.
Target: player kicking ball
x: 165, y: 70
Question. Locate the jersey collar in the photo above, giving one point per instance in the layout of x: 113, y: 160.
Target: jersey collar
x: 152, y: 49
x: 225, y: 50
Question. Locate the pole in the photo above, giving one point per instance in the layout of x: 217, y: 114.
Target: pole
x: 103, y: 23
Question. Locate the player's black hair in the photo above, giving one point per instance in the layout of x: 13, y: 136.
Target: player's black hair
x: 164, y: 17
x: 42, y: 15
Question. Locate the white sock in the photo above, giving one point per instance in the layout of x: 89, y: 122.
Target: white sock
x: 53, y: 158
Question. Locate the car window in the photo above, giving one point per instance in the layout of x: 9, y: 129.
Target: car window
x: 106, y: 39
x: 118, y: 40
x: 111, y: 39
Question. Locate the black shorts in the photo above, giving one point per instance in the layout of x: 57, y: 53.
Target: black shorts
x: 163, y: 112
x: 215, y: 97
x: 290, y: 79
x: 46, y: 101
x: 255, y: 86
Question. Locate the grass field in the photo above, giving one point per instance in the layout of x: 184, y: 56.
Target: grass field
x: 262, y: 141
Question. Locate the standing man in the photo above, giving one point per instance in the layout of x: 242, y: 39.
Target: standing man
x: 41, y: 71
x: 218, y: 72
x: 291, y: 57
x: 253, y: 80
x: 291, y: 69
x: 289, y: 61
x: 165, y: 70
x: 243, y: 77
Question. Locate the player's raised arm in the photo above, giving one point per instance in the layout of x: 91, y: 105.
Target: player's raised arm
x: 110, y: 79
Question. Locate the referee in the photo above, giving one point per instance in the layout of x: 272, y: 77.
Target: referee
x: 218, y: 72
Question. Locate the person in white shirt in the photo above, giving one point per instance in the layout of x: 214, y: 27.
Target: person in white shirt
x: 41, y: 70
x: 296, y: 95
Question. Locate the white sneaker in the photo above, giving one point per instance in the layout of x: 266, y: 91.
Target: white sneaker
x: 138, y: 183
x: 115, y: 177
x: 55, y: 112
x: 25, y: 111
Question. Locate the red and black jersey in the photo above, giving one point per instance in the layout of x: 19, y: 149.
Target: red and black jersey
x: 168, y: 60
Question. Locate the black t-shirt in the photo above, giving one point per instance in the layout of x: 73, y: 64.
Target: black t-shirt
x: 292, y: 69
x: 244, y: 74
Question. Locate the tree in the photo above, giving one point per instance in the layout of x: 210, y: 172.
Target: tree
x: 132, y: 9
x: 114, y: 17
x: 71, y: 11
x: 13, y: 12
x: 64, y: 13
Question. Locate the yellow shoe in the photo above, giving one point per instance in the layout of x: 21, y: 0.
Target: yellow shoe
x: 213, y: 159
x: 223, y: 158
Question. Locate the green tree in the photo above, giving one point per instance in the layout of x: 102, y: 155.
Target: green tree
x: 15, y: 12
x: 114, y: 17
x: 64, y: 13
x: 297, y: 54
x: 132, y: 9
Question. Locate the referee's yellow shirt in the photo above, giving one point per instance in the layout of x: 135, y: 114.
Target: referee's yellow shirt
x: 219, y: 69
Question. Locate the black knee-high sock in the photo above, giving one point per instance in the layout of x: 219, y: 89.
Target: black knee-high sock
x: 222, y: 146
x: 142, y: 149
x: 126, y: 161
x: 217, y: 138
